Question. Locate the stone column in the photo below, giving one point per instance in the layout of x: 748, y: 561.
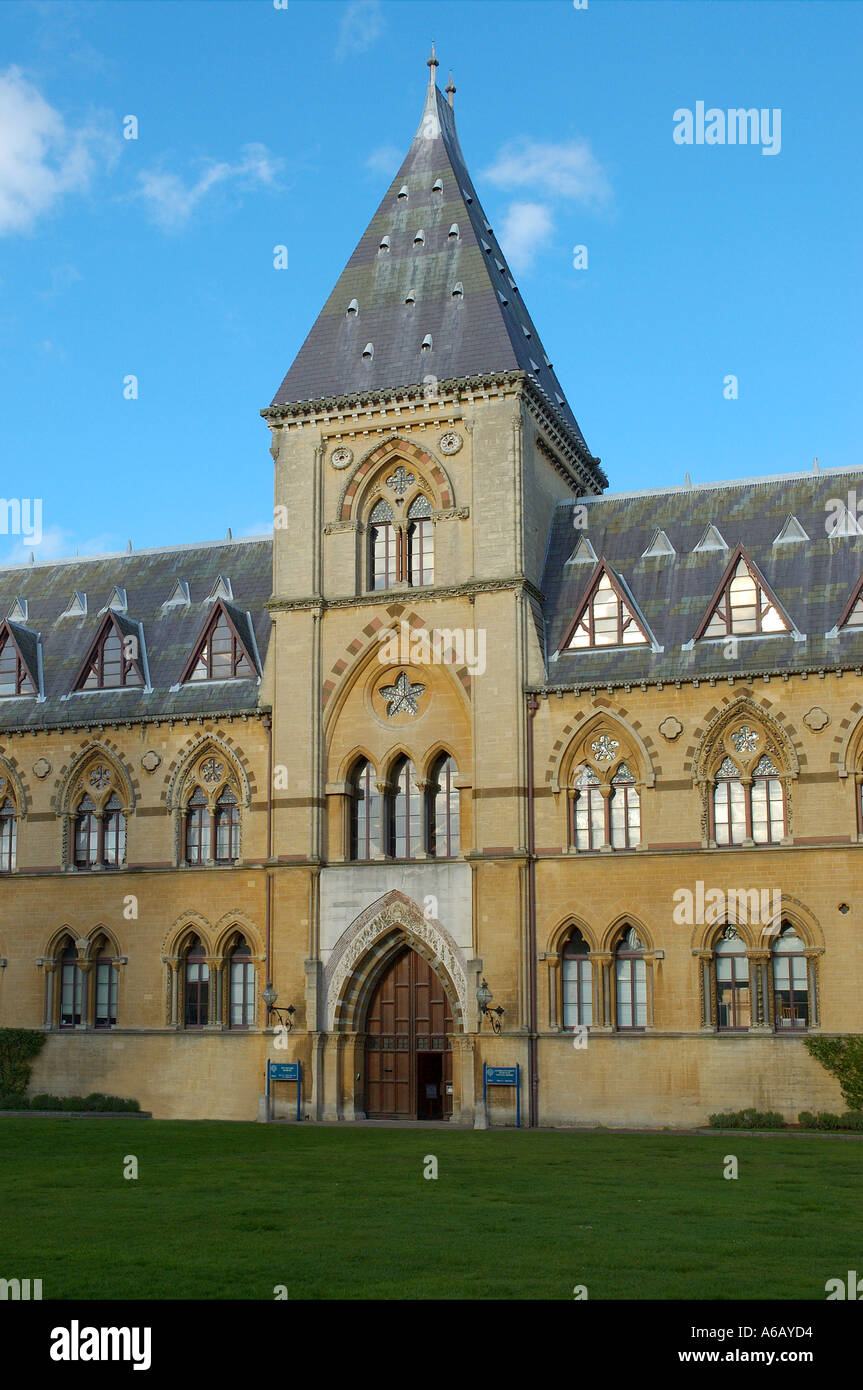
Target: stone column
x: 214, y: 1022
x: 464, y: 1098
x: 422, y: 786
x: 553, y: 962
x: 602, y: 961
x: 383, y: 792
x: 759, y: 962
x: 704, y: 958
x: 318, y: 1042
x: 352, y: 1069
x: 330, y: 1076
x: 812, y: 953
x: 50, y: 969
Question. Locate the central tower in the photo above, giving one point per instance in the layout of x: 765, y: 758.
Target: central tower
x: 421, y: 440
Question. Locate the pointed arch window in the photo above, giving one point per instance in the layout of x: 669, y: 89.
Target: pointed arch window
x: 420, y: 542
x: 382, y: 546
x: 86, y: 834
x: 403, y: 819
x: 197, y: 835
x: 71, y: 988
x: 605, y: 619
x: 226, y: 826
x: 365, y: 813
x: 789, y: 967
x: 743, y: 605
x: 196, y: 985
x: 115, y: 660
x: 732, y: 983
x: 749, y: 809
x: 577, y: 982
x: 100, y: 835
x: 221, y: 653
x: 588, y: 811
x: 242, y: 986
x: 15, y: 677
x: 630, y: 983
x: 8, y: 836
x: 443, y: 809
x: 624, y: 810
x: 105, y: 1001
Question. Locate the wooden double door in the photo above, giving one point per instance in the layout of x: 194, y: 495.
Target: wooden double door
x: 408, y: 1053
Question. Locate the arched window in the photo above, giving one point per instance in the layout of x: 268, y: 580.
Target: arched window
x: 588, y: 811
x: 197, y: 828
x: 105, y: 1002
x: 113, y: 662
x: 403, y: 820
x: 227, y: 828
x: 420, y: 542
x: 221, y: 653
x: 790, y: 981
x: 113, y: 826
x: 443, y: 809
x: 14, y: 675
x: 71, y: 988
x: 768, y: 803
x: 242, y: 977
x: 8, y: 836
x: 733, y: 990
x: 365, y: 813
x: 382, y: 546
x: 577, y: 982
x: 196, y: 985
x: 749, y: 811
x: 630, y: 979
x: 86, y: 834
x: 624, y: 810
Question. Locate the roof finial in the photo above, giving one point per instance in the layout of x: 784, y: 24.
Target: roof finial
x: 450, y: 88
x: 431, y: 64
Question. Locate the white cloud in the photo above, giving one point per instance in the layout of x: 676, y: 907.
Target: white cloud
x: 56, y: 544
x: 362, y: 23
x: 386, y: 159
x: 41, y: 158
x: 566, y: 170
x: 526, y: 229
x: 171, y: 202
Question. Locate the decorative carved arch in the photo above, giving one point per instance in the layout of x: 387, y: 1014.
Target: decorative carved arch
x: 14, y: 785
x: 561, y: 933
x: 850, y: 751
x: 364, y: 648
x: 110, y: 936
x: 51, y: 950
x: 235, y: 924
x: 393, y: 754
x: 188, y: 924
x: 350, y: 761
x: 426, y: 762
x: 94, y: 751
x: 566, y: 751
x: 613, y: 933
x: 366, y: 946
x: 389, y: 451
x: 740, y: 707
x: 705, y: 935
x: 188, y: 756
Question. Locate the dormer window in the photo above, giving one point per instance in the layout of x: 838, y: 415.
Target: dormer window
x: 222, y: 653
x: 605, y: 618
x: 15, y: 676
x: 115, y: 660
x: 743, y: 606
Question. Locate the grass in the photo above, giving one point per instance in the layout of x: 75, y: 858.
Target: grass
x: 231, y: 1210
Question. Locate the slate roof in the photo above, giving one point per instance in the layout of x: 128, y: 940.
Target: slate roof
x: 487, y: 329
x: 813, y: 579
x: 148, y: 576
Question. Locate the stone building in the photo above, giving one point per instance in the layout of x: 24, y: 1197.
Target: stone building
x: 466, y: 717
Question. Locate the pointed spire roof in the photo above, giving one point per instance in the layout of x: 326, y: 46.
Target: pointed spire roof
x: 485, y: 329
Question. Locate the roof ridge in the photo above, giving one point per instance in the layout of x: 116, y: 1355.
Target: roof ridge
x: 763, y: 481
x: 28, y: 566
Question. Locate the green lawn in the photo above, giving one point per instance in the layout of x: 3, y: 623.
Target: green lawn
x: 231, y: 1210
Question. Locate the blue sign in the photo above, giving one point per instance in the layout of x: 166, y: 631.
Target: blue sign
x: 284, y: 1071
x: 501, y: 1076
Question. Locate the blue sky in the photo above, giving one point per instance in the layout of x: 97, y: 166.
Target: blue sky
x: 260, y: 126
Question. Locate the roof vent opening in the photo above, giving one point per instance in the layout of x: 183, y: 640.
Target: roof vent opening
x: 535, y: 365
x: 19, y: 610
x: 710, y: 539
x: 384, y: 244
x: 791, y: 531
x: 368, y: 351
x: 403, y: 191
x: 526, y: 331
x: 502, y: 297
x: 426, y: 344
x: 76, y: 607
x: 458, y: 290
x: 353, y: 308
x: 499, y: 265
x: 583, y: 554
x: 484, y: 244
x: 453, y: 232
x: 437, y: 186
x: 419, y: 239
x: 410, y: 297
x: 466, y: 196
x: 659, y: 545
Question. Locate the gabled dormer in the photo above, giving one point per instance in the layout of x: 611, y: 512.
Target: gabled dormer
x: 225, y: 649
x: 117, y: 657
x: 743, y: 605
x: 608, y: 616
x: 20, y: 660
